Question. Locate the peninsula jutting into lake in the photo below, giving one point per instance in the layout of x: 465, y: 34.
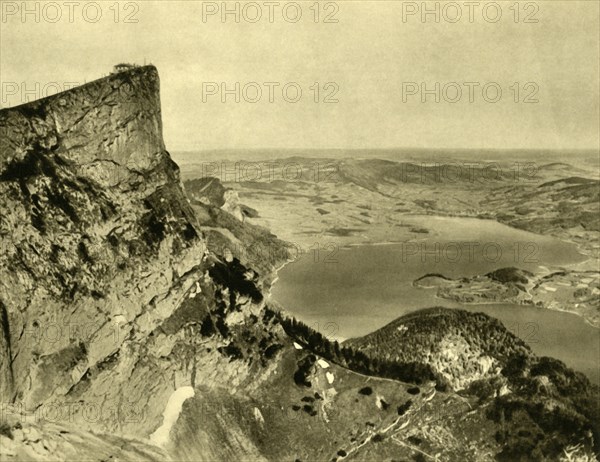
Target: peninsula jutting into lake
x: 307, y: 231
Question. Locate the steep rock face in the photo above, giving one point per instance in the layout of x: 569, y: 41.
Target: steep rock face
x: 222, y: 219
x: 207, y: 190
x: 108, y: 295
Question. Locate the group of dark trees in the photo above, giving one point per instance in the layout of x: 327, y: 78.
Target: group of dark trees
x: 357, y: 361
x: 549, y: 408
x: 408, y: 338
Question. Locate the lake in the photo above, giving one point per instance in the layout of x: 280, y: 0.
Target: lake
x: 349, y: 292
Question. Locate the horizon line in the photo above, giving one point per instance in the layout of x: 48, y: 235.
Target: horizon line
x: 591, y: 149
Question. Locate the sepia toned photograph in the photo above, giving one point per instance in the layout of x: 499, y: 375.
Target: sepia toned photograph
x: 299, y: 231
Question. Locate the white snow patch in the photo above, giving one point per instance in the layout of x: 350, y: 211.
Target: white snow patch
x: 504, y: 390
x: 430, y: 397
x: 120, y: 319
x: 171, y: 414
x: 324, y: 364
x: 550, y: 289
x: 330, y: 377
x: 195, y: 291
x: 258, y: 416
x: 297, y: 346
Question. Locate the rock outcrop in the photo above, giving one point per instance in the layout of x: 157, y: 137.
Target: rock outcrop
x: 109, y: 298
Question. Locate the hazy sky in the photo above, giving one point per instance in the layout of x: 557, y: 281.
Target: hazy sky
x: 375, y: 58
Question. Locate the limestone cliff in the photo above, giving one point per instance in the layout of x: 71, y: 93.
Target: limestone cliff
x: 108, y: 295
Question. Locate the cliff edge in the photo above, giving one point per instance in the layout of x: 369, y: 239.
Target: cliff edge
x: 107, y: 289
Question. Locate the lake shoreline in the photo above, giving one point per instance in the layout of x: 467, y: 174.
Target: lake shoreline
x: 371, y: 285
x: 549, y: 270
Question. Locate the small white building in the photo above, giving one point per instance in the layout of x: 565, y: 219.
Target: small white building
x: 122, y: 67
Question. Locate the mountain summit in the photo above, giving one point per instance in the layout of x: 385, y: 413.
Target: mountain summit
x: 107, y: 289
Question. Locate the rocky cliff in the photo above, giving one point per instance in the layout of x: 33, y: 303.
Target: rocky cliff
x: 108, y: 295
